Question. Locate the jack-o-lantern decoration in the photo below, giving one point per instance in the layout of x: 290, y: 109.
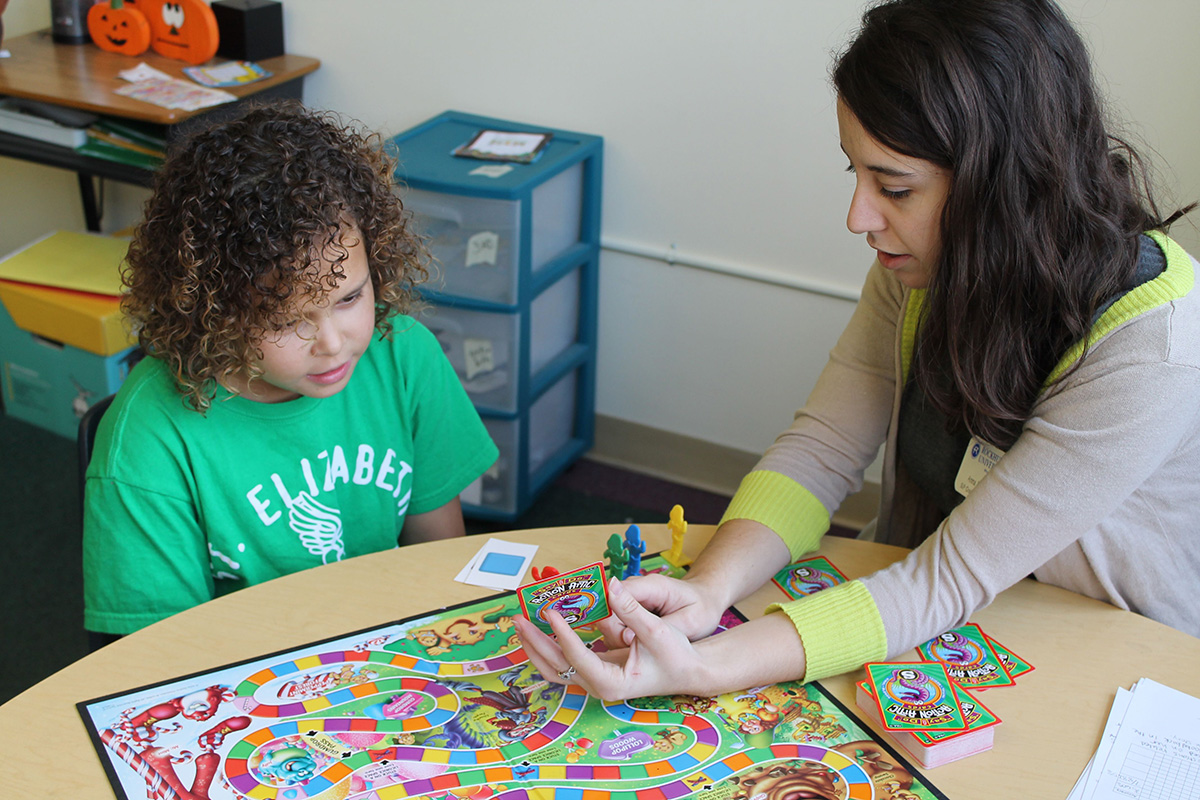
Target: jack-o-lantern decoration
x: 118, y: 28
x: 183, y: 29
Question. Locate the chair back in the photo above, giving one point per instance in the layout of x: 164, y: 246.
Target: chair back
x: 87, y: 438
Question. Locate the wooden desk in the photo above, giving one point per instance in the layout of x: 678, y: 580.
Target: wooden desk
x: 1053, y: 717
x: 84, y: 77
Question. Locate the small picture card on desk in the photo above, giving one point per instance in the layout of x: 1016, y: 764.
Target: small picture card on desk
x: 520, y: 147
x: 231, y: 73
x: 498, y: 565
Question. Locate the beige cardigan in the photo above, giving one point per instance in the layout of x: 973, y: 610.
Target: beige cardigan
x: 1099, y: 495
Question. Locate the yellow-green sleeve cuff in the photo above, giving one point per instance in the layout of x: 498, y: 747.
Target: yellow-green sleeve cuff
x: 784, y: 506
x: 840, y: 627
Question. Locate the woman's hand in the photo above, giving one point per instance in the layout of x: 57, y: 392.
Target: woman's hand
x: 679, y: 603
x: 659, y: 660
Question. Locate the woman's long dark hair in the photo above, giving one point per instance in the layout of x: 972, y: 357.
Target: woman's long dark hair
x: 1045, y: 207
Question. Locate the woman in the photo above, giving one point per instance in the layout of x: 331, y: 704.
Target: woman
x: 1030, y: 357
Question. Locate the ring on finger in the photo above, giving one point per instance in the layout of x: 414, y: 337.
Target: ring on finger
x: 567, y: 673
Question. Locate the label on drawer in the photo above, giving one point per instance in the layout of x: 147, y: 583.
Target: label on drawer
x: 479, y: 356
x: 482, y: 247
x: 492, y: 170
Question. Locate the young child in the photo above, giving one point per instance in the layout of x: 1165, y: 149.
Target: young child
x: 288, y: 414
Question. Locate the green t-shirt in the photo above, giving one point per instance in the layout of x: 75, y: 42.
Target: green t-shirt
x: 183, y: 507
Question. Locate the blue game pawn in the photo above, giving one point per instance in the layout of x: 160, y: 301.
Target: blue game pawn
x: 634, y: 546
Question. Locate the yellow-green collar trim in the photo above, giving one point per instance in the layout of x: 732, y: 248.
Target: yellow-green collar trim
x: 1175, y: 281
x: 908, y: 334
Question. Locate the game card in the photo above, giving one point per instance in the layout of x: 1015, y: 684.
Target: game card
x: 1014, y: 665
x: 969, y: 658
x: 498, y: 565
x: 978, y: 717
x: 580, y: 597
x: 915, y: 696
x: 808, y: 576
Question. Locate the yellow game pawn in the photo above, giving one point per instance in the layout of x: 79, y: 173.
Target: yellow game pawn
x: 678, y: 527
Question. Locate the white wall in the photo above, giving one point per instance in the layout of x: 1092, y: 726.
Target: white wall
x: 719, y: 139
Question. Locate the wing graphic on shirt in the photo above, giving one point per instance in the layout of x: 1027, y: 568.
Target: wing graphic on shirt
x: 318, y: 526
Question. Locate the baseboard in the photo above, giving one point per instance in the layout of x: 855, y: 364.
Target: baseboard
x: 700, y: 464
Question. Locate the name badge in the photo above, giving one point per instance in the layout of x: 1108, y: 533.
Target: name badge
x: 976, y: 464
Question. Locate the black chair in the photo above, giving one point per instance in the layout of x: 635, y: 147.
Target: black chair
x: 88, y: 424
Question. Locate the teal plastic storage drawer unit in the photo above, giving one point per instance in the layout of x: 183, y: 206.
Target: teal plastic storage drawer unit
x: 513, y: 292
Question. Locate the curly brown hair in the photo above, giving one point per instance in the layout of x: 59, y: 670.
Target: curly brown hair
x: 232, y: 236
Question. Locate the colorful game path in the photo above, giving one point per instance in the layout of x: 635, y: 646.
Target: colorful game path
x: 447, y: 707
x: 485, y: 767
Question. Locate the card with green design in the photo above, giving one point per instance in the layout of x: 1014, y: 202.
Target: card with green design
x: 969, y: 658
x: 978, y: 717
x: 1013, y: 663
x: 808, y: 576
x: 915, y: 696
x: 579, y: 596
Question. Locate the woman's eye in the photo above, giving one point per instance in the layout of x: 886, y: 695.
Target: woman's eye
x: 899, y: 194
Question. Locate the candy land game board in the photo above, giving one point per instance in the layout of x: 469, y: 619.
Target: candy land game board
x: 445, y: 705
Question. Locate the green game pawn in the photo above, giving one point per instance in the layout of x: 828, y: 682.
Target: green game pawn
x: 616, y: 555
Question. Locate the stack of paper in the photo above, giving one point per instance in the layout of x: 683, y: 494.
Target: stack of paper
x: 1150, y: 749
x: 23, y: 123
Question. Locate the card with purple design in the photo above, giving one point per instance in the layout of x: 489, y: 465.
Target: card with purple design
x: 580, y: 597
x: 915, y: 695
x: 969, y: 657
x: 808, y: 576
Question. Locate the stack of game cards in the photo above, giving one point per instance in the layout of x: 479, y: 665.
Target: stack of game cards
x: 924, y: 705
x: 925, y: 713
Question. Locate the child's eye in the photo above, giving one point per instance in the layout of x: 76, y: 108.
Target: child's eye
x: 350, y: 298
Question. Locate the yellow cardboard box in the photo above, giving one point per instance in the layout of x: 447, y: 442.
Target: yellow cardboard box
x: 87, y: 321
x: 65, y: 287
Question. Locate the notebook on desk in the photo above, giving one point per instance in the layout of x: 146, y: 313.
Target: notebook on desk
x: 18, y: 118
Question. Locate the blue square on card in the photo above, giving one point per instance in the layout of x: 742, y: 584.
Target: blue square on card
x: 502, y: 564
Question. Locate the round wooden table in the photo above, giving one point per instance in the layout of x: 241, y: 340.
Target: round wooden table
x: 1082, y: 650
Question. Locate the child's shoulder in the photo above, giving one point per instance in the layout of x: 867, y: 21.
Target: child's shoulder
x: 147, y: 412
x: 409, y: 340
x: 149, y: 386
x: 148, y: 402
